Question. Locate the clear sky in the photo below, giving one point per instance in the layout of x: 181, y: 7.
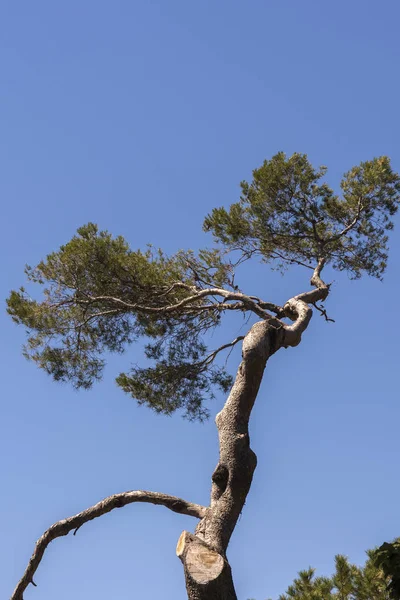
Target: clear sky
x: 142, y: 116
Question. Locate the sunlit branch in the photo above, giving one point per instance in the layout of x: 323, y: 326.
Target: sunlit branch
x: 64, y: 526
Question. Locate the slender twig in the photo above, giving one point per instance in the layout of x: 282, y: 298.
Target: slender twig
x: 323, y: 312
x: 291, y: 261
x: 177, y: 284
x: 209, y: 359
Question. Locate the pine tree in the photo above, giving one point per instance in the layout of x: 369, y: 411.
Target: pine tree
x: 348, y: 582
x: 387, y: 557
x: 96, y: 295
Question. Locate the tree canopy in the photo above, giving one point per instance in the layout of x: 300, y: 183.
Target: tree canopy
x: 98, y: 295
x: 287, y: 214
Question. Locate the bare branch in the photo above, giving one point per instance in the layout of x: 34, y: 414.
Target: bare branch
x: 323, y: 312
x: 64, y: 526
x: 209, y: 359
x: 275, y: 308
x: 247, y: 302
x: 197, y: 295
x: 220, y: 306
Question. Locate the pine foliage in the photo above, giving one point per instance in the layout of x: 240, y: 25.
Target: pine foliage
x: 96, y: 295
x: 348, y: 582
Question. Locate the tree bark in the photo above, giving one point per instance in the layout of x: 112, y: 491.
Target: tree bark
x: 207, y: 571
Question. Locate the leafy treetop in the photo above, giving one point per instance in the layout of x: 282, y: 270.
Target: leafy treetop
x: 287, y: 214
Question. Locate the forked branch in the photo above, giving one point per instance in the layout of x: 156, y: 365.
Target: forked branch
x: 64, y: 526
x: 242, y: 301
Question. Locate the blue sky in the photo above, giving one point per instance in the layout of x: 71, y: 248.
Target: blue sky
x: 142, y: 116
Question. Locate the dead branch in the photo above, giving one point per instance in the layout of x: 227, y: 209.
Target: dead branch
x: 64, y: 526
x: 323, y: 312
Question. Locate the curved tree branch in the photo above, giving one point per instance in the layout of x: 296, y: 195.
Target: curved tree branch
x: 64, y: 526
x: 303, y: 314
x: 298, y: 308
x: 321, y: 289
x: 323, y: 312
x: 198, y: 294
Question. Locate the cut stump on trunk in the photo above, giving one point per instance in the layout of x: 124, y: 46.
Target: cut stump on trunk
x: 207, y: 573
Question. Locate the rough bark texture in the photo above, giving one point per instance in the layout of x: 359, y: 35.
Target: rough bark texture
x: 233, y: 475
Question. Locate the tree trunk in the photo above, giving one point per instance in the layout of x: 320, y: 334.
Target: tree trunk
x: 207, y: 571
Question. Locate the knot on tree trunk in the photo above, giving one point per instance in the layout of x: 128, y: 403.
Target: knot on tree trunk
x: 220, y: 479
